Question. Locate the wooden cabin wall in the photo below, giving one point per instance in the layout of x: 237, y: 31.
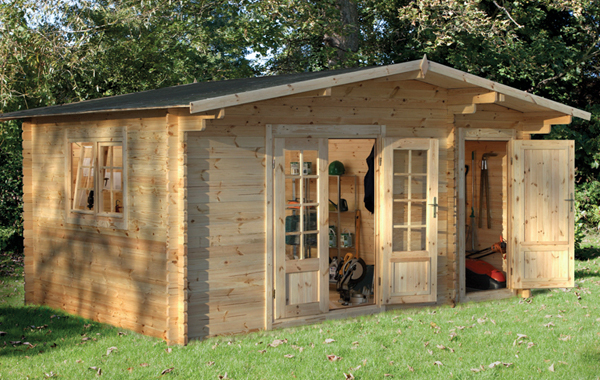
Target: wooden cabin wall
x: 110, y: 275
x: 353, y: 154
x: 497, y: 175
x: 407, y: 108
x: 226, y: 228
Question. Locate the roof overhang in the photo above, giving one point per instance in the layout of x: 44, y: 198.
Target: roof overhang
x: 465, y: 86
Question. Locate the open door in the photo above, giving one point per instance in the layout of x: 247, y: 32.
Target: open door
x: 541, y: 207
x: 301, y: 230
x: 409, y: 213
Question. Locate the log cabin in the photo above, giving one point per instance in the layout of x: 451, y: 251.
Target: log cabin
x: 210, y: 208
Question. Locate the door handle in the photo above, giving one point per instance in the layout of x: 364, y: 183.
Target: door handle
x: 571, y: 200
x: 435, y: 206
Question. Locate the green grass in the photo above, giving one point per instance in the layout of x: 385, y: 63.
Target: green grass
x: 562, y: 328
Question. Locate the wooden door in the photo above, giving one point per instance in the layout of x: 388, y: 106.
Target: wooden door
x: 409, y: 215
x: 301, y: 227
x: 541, y: 225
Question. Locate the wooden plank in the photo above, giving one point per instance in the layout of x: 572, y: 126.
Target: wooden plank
x: 301, y: 310
x: 279, y: 228
x: 295, y: 130
x: 323, y: 216
x: 304, y: 265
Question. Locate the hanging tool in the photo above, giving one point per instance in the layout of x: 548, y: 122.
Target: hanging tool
x: 484, y: 190
x: 357, y: 223
x: 471, y: 235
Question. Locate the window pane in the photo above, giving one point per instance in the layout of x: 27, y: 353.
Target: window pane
x: 82, y: 176
x: 118, y: 156
x: 111, y: 180
x: 107, y: 204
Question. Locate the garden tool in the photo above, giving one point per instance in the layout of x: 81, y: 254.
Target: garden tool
x: 484, y: 190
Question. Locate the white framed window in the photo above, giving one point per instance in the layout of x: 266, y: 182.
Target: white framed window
x: 96, y: 183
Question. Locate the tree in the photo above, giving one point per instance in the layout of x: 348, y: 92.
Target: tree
x: 71, y: 51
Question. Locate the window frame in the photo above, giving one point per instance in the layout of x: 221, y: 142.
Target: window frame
x: 95, y: 217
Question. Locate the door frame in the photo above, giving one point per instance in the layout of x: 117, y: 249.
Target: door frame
x: 344, y: 131
x: 467, y: 134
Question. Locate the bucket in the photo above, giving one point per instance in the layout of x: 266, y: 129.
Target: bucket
x: 294, y: 168
x: 332, y: 237
x: 357, y: 299
x: 307, y: 168
x: 346, y: 239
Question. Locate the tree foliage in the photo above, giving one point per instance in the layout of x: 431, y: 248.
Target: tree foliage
x: 68, y: 51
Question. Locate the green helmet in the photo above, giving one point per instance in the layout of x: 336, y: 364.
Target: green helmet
x: 336, y: 168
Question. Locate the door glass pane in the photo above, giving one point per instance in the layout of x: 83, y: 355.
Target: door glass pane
x: 310, y: 190
x: 292, y: 220
x: 309, y: 159
x: 400, y: 239
x: 292, y: 162
x: 310, y: 246
x: 418, y: 160
x: 400, y: 214
x: 292, y: 191
x: 418, y: 241
x: 418, y: 212
x: 310, y: 219
x: 418, y: 187
x: 401, y: 161
x: 401, y: 187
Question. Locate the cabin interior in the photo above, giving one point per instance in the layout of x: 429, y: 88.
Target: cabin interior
x: 486, y: 206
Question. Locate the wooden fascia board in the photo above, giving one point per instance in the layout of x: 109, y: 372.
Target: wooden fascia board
x: 301, y: 87
x: 506, y: 90
x: 324, y: 92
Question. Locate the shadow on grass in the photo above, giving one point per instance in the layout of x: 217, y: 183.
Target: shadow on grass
x: 33, y: 330
x: 589, y: 253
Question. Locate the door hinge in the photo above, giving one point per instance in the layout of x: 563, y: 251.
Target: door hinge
x: 273, y: 293
x: 379, y: 281
x: 379, y: 161
x: 273, y: 163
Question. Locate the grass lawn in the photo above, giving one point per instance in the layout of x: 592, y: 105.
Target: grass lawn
x: 553, y: 335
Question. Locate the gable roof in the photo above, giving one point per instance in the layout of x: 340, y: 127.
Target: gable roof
x: 206, y: 96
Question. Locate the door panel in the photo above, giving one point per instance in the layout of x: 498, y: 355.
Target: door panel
x: 301, y: 246
x: 541, y: 227
x: 409, y: 220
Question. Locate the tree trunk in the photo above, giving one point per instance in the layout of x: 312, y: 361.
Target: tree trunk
x: 347, y: 39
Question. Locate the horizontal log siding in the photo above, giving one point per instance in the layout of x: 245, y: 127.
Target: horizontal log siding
x: 109, y: 275
x: 226, y: 230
